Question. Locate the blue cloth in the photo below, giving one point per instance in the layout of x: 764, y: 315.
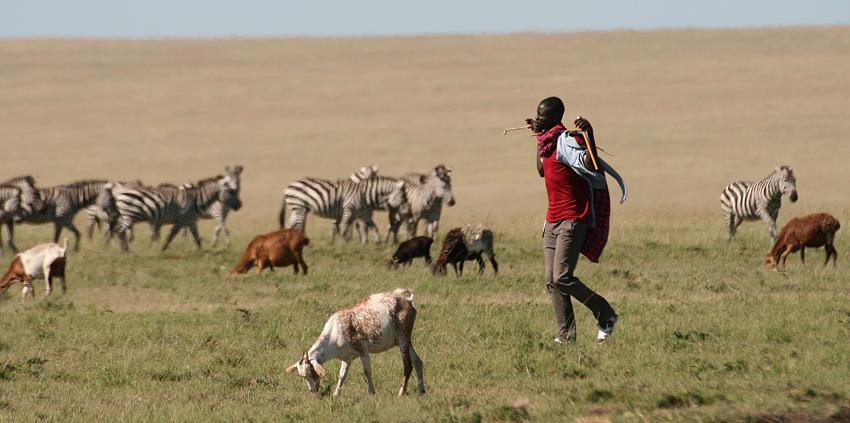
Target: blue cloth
x: 571, y: 153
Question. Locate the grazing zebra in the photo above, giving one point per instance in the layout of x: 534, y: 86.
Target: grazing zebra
x: 332, y: 199
x: 749, y: 201
x: 10, y: 210
x: 425, y: 195
x: 171, y: 205
x: 59, y: 205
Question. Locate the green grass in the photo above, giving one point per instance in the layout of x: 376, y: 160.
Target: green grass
x: 706, y: 334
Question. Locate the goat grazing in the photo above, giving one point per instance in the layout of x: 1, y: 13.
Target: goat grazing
x: 466, y: 243
x: 47, y: 260
x: 419, y: 246
x: 279, y: 248
x: 374, y: 325
x: 814, y: 230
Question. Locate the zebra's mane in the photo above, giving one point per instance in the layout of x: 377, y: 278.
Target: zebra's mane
x: 83, y: 193
x: 203, y: 195
x: 85, y: 183
x: 215, y: 178
x: 23, y: 179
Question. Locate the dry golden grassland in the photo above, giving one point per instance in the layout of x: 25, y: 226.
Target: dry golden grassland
x: 707, y: 333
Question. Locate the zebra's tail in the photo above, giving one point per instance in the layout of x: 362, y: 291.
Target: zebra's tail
x: 282, y: 216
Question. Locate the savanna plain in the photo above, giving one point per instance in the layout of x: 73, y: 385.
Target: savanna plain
x: 706, y: 332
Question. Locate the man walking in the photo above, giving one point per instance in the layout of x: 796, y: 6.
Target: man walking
x: 577, y: 216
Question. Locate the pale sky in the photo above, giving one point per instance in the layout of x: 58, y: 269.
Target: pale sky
x: 270, y: 18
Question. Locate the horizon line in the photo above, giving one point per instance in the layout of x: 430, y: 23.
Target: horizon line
x: 435, y: 34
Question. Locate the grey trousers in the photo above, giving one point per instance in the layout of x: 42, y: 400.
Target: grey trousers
x: 562, y: 243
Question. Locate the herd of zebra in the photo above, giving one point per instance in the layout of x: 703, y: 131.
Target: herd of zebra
x: 118, y: 206
x: 407, y: 199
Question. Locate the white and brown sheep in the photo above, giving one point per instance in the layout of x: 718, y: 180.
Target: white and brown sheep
x: 44, y: 260
x: 374, y: 325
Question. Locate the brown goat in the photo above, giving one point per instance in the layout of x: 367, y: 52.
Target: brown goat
x: 278, y: 248
x: 814, y: 230
x: 454, y: 251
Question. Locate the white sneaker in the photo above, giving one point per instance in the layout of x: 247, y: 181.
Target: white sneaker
x: 606, y: 330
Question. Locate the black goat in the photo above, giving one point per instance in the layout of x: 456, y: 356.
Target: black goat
x: 419, y: 246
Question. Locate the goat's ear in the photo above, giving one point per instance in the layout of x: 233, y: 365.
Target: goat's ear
x: 318, y: 368
x: 292, y: 368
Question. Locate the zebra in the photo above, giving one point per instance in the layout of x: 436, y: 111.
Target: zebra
x: 96, y: 215
x: 746, y: 200
x: 10, y: 210
x: 321, y: 197
x: 218, y: 211
x: 59, y: 205
x: 171, y: 205
x: 365, y: 172
x: 364, y: 197
x: 425, y: 195
x: 342, y: 200
x: 30, y: 201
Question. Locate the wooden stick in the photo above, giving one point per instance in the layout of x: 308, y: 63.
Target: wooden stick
x: 583, y: 134
x: 591, y: 148
x: 516, y: 129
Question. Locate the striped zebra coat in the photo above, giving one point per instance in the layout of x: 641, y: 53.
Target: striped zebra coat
x: 10, y: 212
x: 364, y: 197
x: 59, y: 205
x: 30, y: 201
x: 30, y: 196
x: 96, y: 216
x: 318, y: 196
x: 425, y: 195
x: 218, y: 211
x: 343, y: 201
x: 746, y: 200
x: 170, y: 205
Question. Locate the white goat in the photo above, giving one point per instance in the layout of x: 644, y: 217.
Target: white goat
x: 374, y: 325
x: 47, y: 260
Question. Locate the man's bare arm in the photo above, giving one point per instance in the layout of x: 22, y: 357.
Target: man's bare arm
x: 539, y: 162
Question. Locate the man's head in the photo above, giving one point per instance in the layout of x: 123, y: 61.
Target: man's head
x: 550, y: 111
